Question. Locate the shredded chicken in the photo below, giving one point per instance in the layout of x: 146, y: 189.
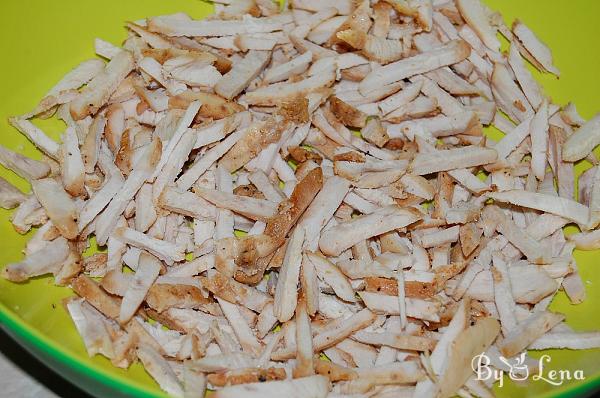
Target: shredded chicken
x: 276, y: 186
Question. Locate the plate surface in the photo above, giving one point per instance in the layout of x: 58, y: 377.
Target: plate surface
x: 42, y: 40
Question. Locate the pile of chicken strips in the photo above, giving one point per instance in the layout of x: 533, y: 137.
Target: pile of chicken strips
x: 299, y: 201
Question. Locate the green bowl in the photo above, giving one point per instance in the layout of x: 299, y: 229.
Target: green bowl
x: 42, y: 40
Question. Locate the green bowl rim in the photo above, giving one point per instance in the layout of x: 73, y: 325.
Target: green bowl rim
x: 38, y: 340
